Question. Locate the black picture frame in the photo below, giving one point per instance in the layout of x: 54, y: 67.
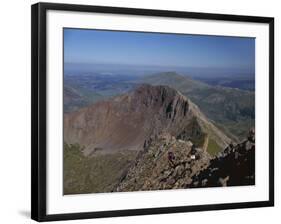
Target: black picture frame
x: 38, y: 108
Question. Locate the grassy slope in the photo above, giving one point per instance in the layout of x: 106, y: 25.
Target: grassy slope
x: 213, y: 147
x: 92, y: 174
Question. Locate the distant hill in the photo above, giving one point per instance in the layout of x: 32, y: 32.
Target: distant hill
x: 246, y: 82
x: 231, y: 109
x: 84, y: 90
x: 75, y: 98
x: 173, y: 79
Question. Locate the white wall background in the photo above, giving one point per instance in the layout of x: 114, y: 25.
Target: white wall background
x: 15, y: 110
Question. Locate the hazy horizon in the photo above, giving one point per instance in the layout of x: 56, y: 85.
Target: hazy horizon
x: 87, y: 51
x: 140, y: 70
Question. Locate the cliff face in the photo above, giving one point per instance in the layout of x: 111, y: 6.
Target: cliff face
x: 130, y: 121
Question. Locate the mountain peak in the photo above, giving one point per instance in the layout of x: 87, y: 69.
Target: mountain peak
x: 182, y: 83
x: 128, y: 121
x: 169, y: 74
x: 163, y: 91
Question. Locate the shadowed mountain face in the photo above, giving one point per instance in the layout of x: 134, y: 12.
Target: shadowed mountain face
x: 235, y: 166
x: 132, y: 120
x: 232, y: 109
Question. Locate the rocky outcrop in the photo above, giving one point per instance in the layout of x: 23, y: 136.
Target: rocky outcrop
x: 129, y: 121
x: 166, y: 163
x: 170, y: 163
x: 235, y: 166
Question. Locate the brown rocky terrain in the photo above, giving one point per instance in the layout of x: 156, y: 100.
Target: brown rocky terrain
x: 166, y: 163
x: 170, y: 163
x: 132, y: 120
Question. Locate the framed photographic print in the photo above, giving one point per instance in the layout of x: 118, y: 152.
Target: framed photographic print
x: 139, y: 111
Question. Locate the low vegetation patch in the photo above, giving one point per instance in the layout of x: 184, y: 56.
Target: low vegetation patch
x: 99, y: 173
x: 213, y: 147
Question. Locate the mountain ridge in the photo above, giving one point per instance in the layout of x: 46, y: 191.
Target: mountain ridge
x: 129, y: 121
x: 233, y: 110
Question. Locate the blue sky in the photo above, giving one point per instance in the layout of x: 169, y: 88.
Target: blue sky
x: 137, y: 48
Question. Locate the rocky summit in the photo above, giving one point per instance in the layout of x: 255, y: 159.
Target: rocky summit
x: 166, y: 163
x: 170, y: 163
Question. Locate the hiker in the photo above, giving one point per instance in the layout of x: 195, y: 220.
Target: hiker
x: 193, y: 149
